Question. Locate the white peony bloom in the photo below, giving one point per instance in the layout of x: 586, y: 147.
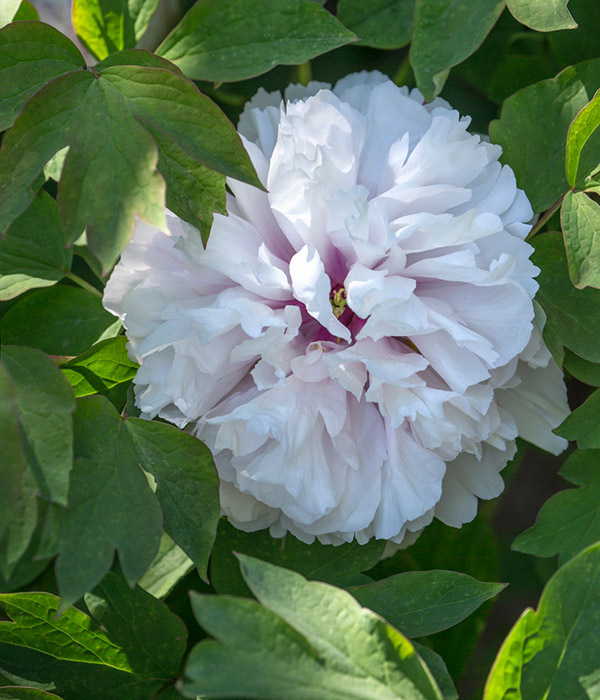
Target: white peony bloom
x: 357, y: 346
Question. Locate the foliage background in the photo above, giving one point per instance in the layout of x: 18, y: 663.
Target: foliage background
x: 82, y: 478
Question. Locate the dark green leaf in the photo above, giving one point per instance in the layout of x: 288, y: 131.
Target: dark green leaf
x: 19, y: 533
x: 315, y: 641
x: 152, y: 638
x: 583, y: 424
x: 532, y: 131
x: 30, y: 56
x: 570, y: 520
x: 21, y: 693
x: 105, y: 26
x: 188, y: 485
x: 237, y: 39
x: 111, y: 506
x: 73, y: 636
x: 26, y: 12
x: 168, y: 568
x: 13, y: 459
x: 33, y: 253
x: 446, y: 32
x: 193, y: 191
x: 59, y: 320
x: 383, y: 24
x: 45, y: 402
x: 102, y: 367
x: 340, y: 566
x: 573, y: 315
x: 580, y: 220
x: 545, y: 16
x: 137, y: 57
x: 582, y: 127
x: 420, y: 603
x: 586, y: 372
x: 553, y: 653
x: 439, y: 670
x: 571, y: 46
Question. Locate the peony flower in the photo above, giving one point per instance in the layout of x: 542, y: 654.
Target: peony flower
x: 358, y: 345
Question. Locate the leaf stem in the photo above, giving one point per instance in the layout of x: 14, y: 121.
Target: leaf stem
x: 543, y: 219
x: 83, y: 284
x: 303, y: 73
x: 402, y: 75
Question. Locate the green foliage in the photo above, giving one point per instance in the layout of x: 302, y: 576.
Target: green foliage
x: 8, y: 11
x: 105, y: 26
x: 382, y: 24
x: 445, y: 33
x: 315, y: 641
x: 20, y: 693
x: 569, y: 521
x: 168, y: 568
x: 236, y: 39
x: 545, y: 16
x: 582, y: 127
x: 582, y: 425
x: 552, y: 653
x: 580, y: 219
x: 421, y: 603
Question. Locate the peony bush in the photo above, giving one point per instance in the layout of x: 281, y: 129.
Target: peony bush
x: 286, y: 289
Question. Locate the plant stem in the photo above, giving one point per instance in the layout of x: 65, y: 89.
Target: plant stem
x: 303, y: 73
x: 542, y: 220
x: 83, y: 284
x: 403, y: 73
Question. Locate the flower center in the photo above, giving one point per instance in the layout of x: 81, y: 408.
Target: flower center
x: 338, y: 301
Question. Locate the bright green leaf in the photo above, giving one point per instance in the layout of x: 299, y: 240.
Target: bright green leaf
x: 45, y: 403
x: 237, y: 39
x: 188, y: 485
x: 111, y: 506
x: 152, y: 638
x: 532, y: 131
x: 30, y: 56
x: 72, y: 637
x: 106, y: 26
x: 552, y: 653
x: 316, y: 642
x: 382, y: 24
x: 570, y: 520
x: 59, y: 320
x: 573, y: 315
x: 420, y: 603
x: 168, y: 568
x: 102, y: 367
x: 583, y: 424
x: 580, y: 220
x: 21, y: 693
x: 33, y: 253
x: 543, y: 16
x: 8, y: 10
x: 582, y: 127
x: 445, y: 33
x: 340, y: 566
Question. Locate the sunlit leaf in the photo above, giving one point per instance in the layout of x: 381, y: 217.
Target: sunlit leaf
x: 580, y: 220
x: 582, y: 127
x: 545, y: 16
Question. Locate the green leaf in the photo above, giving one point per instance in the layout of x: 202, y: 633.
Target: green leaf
x: 188, y: 485
x: 109, y: 174
x: 193, y: 191
x: 105, y: 26
x: 26, y: 12
x: 545, y: 16
x: 445, y: 33
x: 553, y: 653
x: 45, y: 402
x: 102, y: 367
x: 21, y: 693
x: 420, y: 603
x: 72, y: 637
x: 340, y: 566
x: 168, y: 568
x: 111, y: 506
x: 33, y: 253
x: 533, y: 127
x: 573, y: 315
x: 570, y: 520
x: 8, y: 10
x: 237, y: 39
x: 315, y: 641
x: 30, y: 56
x: 582, y: 127
x: 382, y: 24
x: 439, y: 671
x: 59, y: 320
x: 152, y: 638
x: 13, y: 459
x: 580, y: 220
x: 583, y: 424
x: 586, y: 372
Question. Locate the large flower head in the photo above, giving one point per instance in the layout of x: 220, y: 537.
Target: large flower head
x: 356, y: 345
